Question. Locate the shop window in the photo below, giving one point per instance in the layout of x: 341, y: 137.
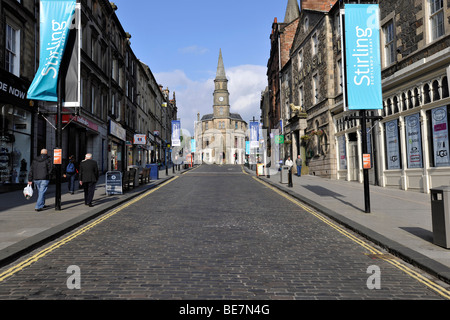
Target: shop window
x: 15, y: 144
x: 413, y: 141
x: 438, y: 138
x: 393, y: 159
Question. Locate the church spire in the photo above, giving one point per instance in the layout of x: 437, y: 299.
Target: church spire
x: 220, y: 68
x: 292, y: 11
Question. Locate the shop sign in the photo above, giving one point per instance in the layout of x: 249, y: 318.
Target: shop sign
x: 140, y: 139
x: 116, y: 130
x: 113, y: 182
x: 80, y: 120
x: 13, y: 90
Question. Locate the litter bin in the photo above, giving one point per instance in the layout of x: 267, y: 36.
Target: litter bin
x: 154, y: 171
x: 440, y: 202
x: 284, y: 176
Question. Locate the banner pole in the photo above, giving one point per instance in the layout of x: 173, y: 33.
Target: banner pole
x: 58, y: 166
x: 363, y: 120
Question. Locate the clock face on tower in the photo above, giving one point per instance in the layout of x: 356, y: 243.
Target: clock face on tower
x: 221, y: 99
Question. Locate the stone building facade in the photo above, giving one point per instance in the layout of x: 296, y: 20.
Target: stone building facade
x: 18, y: 62
x: 119, y: 99
x: 220, y: 136
x: 409, y: 142
x: 309, y: 90
x: 281, y: 40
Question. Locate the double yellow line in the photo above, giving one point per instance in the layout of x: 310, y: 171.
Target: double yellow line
x: 16, y: 268
x: 430, y: 284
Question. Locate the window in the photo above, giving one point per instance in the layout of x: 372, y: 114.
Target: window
x: 300, y: 97
x: 12, y: 50
x: 438, y: 128
x: 315, y: 89
x: 339, y: 73
x: 436, y: 18
x: 314, y: 44
x: 389, y: 47
x: 93, y: 99
x: 300, y: 60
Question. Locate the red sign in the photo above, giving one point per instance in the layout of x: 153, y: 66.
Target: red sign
x: 66, y: 118
x: 57, y: 156
x: 367, y: 163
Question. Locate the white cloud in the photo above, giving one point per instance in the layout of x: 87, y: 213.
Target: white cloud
x: 196, y: 50
x: 245, y: 85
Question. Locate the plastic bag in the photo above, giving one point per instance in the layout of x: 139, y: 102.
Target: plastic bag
x: 28, y: 192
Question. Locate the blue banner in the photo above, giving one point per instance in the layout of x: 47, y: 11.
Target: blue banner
x: 55, y: 22
x: 363, y: 62
x: 254, y: 134
x: 176, y: 133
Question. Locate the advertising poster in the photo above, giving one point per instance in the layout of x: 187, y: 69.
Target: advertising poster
x: 413, y: 141
x: 439, y: 121
x: 342, y: 153
x: 392, y: 145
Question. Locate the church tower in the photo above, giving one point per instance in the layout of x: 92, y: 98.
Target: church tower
x: 221, y: 95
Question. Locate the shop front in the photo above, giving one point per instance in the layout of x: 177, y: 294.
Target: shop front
x: 116, y: 144
x: 80, y: 137
x: 15, y: 132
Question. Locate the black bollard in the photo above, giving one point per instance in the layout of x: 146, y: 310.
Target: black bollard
x: 290, y: 178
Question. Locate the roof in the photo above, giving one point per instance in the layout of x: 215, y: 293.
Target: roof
x: 233, y: 116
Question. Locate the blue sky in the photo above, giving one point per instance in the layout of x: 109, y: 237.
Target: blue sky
x: 180, y: 41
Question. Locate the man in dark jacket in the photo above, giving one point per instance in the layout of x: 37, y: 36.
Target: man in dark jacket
x: 88, y: 177
x: 40, y: 173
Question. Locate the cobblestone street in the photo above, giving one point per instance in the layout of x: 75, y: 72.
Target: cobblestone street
x: 212, y: 233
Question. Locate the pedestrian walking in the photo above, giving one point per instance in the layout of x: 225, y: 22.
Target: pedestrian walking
x: 40, y: 173
x: 298, y: 163
x: 88, y: 177
x: 71, y: 174
x: 289, y: 163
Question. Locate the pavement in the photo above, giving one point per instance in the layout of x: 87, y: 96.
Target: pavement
x: 399, y: 222
x: 22, y: 229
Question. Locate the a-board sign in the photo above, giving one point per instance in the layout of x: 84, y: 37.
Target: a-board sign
x: 114, y: 182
